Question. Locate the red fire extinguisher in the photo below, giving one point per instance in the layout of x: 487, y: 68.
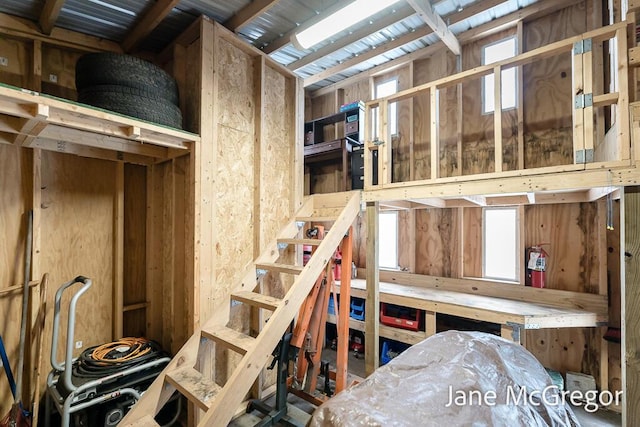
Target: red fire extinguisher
x: 337, y: 265
x: 536, y: 266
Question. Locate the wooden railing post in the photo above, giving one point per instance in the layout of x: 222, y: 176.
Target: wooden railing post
x: 622, y: 112
x: 385, y: 162
x: 577, y: 83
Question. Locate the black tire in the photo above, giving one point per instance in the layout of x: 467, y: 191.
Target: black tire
x: 107, y: 68
x: 133, y: 102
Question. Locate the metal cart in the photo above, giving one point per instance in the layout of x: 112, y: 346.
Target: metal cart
x: 70, y: 393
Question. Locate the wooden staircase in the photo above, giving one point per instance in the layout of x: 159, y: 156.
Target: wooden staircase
x: 221, y: 401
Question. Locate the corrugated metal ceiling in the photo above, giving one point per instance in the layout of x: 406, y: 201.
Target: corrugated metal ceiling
x: 113, y: 19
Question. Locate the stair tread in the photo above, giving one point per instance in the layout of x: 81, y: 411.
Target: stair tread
x: 310, y: 242
x: 147, y: 421
x: 194, y: 386
x: 258, y: 300
x: 281, y: 268
x: 230, y: 338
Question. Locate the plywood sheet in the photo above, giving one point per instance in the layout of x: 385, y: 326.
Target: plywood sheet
x: 18, y: 54
x: 58, y: 71
x: 77, y: 239
x: 436, y: 242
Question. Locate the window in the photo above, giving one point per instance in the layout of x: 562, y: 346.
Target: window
x: 500, y: 244
x: 386, y: 88
x: 495, y: 52
x: 388, y: 239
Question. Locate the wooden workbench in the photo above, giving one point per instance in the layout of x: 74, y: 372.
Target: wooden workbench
x: 513, y: 314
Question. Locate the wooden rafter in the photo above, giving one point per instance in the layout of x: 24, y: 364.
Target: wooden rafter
x: 49, y: 15
x: 249, y: 13
x: 408, y: 38
x: 536, y: 9
x: 435, y: 22
x: 148, y: 23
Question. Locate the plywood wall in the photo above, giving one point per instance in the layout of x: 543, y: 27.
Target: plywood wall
x: 19, y: 56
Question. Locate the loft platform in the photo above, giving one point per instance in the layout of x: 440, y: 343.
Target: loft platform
x: 32, y: 119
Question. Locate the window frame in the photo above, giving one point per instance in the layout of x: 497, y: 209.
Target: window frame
x: 482, y: 79
x: 397, y: 241
x: 518, y: 237
x: 375, y: 111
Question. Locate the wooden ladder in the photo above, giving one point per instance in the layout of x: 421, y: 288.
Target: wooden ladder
x: 221, y: 401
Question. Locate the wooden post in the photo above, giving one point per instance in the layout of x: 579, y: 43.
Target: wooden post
x: 460, y: 123
x: 372, y: 307
x: 497, y: 118
x: 385, y: 151
x: 630, y: 292
x: 412, y: 136
x: 622, y: 118
x: 578, y: 114
x: 520, y: 101
x: 588, y: 111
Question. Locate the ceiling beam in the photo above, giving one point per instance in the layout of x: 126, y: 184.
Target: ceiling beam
x: 285, y: 39
x: 435, y: 22
x: 249, y: 13
x: 148, y: 23
x: 407, y: 38
x: 342, y: 42
x: 388, y: 20
x: 49, y: 15
x: 530, y: 12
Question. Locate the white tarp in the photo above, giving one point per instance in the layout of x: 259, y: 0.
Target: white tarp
x: 453, y: 379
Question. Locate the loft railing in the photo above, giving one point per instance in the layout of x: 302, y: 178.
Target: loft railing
x: 590, y: 149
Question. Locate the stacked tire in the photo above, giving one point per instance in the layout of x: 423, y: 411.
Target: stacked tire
x: 128, y: 85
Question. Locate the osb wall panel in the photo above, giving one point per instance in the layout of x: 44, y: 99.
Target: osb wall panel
x: 234, y: 201
x: 18, y: 54
x: 15, y: 201
x: 437, y: 243
x: 61, y: 64
x: 77, y: 239
x: 422, y: 73
x: 275, y: 160
x: 570, y: 231
x: 359, y: 91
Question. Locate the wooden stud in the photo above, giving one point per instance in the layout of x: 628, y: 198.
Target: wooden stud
x: 118, y: 252
x: 497, y: 118
x: 385, y: 151
x: 435, y: 138
x: 372, y: 305
x: 460, y: 122
x: 36, y: 78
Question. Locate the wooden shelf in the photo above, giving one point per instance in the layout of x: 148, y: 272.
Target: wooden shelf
x: 35, y: 120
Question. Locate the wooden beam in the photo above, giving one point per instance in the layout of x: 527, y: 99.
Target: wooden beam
x: 529, y: 12
x: 372, y: 307
x: 497, y: 118
x: 24, y: 28
x: 249, y: 13
x: 148, y: 23
x: 435, y: 22
x: 49, y: 15
x: 118, y: 253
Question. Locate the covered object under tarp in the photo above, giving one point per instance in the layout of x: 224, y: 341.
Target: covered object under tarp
x: 453, y: 379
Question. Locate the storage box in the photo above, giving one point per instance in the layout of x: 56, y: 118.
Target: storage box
x: 391, y: 349
x: 357, y: 308
x: 399, y: 317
